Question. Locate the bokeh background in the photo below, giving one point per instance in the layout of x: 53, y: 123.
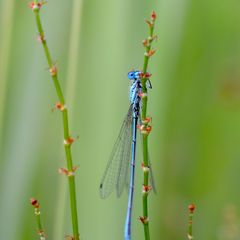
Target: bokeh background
x: 194, y: 103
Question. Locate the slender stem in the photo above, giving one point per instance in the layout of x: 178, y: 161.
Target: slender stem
x: 39, y: 226
x: 36, y: 206
x: 191, y: 209
x: 148, y: 54
x: 190, y: 226
x: 70, y: 168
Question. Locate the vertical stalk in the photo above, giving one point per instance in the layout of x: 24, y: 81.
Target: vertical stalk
x: 37, y: 212
x: 36, y: 6
x: 148, y: 53
x: 191, y: 209
x: 71, y: 81
x: 6, y: 16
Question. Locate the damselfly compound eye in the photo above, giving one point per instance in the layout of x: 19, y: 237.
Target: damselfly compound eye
x: 131, y: 75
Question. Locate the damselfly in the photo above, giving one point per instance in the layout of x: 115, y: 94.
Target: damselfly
x: 122, y: 159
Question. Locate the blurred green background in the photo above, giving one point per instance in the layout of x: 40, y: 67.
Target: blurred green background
x: 194, y: 103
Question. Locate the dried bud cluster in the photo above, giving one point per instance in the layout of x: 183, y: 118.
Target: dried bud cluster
x: 66, y: 172
x: 145, y: 168
x: 153, y: 16
x: 150, y: 53
x: 53, y: 70
x: 146, y: 189
x: 144, y: 129
x: 60, y: 106
x: 35, y: 203
x: 36, y: 6
x: 41, y: 38
x: 69, y: 141
x: 191, y: 208
x: 144, y: 220
x: 147, y: 42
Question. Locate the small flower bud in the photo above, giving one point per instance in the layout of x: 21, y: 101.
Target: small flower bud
x: 146, y: 120
x: 152, y: 38
x: 31, y: 5
x: 60, y: 106
x: 148, y: 129
x: 69, y: 141
x: 147, y: 75
x: 150, y: 53
x: 143, y: 220
x: 191, y: 208
x: 144, y: 129
x: 145, y: 168
x: 145, y: 43
x: 66, y: 172
x: 53, y: 70
x: 146, y: 189
x: 37, y: 6
x: 154, y: 15
x: 63, y: 171
x: 34, y: 203
x: 41, y: 38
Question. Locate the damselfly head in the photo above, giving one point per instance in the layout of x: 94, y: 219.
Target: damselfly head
x: 134, y: 75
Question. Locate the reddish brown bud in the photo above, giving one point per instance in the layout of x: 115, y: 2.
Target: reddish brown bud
x: 41, y: 234
x: 148, y: 75
x: 63, y: 171
x: 66, y: 172
x: 150, y: 53
x: 148, y: 129
x: 37, y: 6
x: 154, y: 15
x: 152, y: 38
x: 69, y: 141
x: 143, y: 220
x: 191, y: 208
x: 59, y: 106
x: 31, y: 5
x: 146, y: 120
x: 146, y: 189
x: 34, y: 202
x: 145, y: 42
x: 144, y: 129
x: 53, y: 70
x: 41, y: 38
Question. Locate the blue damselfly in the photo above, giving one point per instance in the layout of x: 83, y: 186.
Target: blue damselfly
x: 122, y: 159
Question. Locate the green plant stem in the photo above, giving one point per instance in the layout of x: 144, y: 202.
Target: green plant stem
x: 39, y: 225
x: 34, y: 202
x: 190, y: 230
x: 191, y: 209
x: 145, y: 136
x: 71, y: 179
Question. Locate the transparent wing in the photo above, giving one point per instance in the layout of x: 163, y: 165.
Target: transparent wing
x: 151, y: 177
x: 115, y: 174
